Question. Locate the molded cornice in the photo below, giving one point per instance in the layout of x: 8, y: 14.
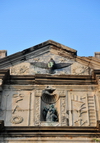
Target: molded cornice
x: 42, y: 79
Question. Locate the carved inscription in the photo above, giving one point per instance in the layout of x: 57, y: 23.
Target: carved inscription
x: 77, y: 109
x: 17, y: 119
x: 17, y: 108
x: 19, y: 97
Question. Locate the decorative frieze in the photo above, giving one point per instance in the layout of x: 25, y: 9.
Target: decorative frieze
x: 73, y: 108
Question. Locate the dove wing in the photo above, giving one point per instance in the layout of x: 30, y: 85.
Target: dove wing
x: 62, y: 65
x: 39, y: 64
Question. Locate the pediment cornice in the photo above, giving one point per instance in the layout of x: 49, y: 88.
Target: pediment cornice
x: 37, y: 50
x: 48, y: 46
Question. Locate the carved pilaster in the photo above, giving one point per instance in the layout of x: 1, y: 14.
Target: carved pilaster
x: 92, y: 110
x: 62, y: 108
x: 37, y: 107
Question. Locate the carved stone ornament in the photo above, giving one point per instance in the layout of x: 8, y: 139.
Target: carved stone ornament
x: 51, y: 65
x: 37, y: 111
x: 63, y: 111
x: 17, y: 119
x: 79, y: 69
x: 50, y: 114
x: 20, y: 69
x: 49, y: 95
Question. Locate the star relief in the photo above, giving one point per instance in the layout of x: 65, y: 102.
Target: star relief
x: 51, y: 65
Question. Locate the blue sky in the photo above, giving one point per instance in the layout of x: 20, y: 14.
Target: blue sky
x: 74, y: 23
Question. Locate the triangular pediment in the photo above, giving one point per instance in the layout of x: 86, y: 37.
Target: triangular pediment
x: 19, y: 63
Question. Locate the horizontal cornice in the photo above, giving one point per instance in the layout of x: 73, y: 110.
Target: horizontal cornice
x: 42, y: 79
x: 50, y: 131
x: 48, y: 79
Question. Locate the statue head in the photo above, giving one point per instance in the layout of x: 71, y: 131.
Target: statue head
x: 51, y: 106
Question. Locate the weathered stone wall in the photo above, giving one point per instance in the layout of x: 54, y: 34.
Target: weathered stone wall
x: 77, y: 105
x: 76, y: 96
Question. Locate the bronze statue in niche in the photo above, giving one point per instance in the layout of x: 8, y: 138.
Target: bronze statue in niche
x: 50, y: 114
x: 49, y: 111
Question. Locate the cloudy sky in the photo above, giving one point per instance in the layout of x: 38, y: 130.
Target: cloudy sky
x: 74, y: 23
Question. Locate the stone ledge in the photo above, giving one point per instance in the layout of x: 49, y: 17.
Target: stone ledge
x: 50, y: 132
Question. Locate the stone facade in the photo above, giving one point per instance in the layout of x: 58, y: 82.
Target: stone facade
x: 27, y: 87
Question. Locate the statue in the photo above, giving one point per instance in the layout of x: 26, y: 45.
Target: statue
x: 51, y: 65
x: 50, y: 114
